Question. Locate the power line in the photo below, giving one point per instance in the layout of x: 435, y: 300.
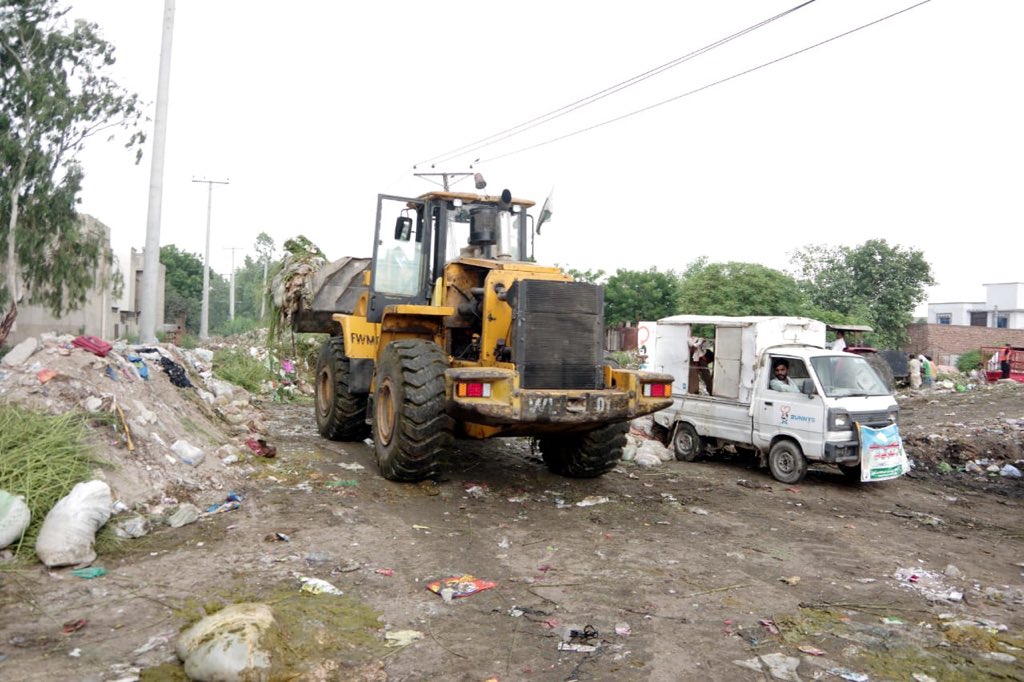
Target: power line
x: 703, y: 87
x: 590, y: 99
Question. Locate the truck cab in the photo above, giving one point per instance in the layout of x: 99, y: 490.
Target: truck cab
x: 816, y: 415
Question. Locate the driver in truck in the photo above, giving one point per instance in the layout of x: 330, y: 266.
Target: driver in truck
x: 780, y: 377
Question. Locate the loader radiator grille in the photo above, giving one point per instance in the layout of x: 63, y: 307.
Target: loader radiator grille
x: 558, y: 334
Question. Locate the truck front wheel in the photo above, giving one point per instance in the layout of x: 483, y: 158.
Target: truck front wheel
x: 340, y: 415
x: 585, y: 455
x: 410, y: 426
x: 688, y: 445
x: 786, y: 462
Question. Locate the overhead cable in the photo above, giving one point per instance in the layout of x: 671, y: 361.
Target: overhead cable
x: 704, y: 87
x: 590, y: 99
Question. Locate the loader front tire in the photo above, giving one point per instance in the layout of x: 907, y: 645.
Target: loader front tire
x: 410, y: 426
x: 585, y: 455
x: 340, y: 414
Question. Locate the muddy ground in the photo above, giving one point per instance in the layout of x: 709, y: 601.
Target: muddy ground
x: 689, y: 571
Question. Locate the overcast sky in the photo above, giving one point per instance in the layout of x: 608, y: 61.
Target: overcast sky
x: 909, y: 130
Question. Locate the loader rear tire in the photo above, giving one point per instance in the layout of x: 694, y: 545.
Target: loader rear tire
x: 340, y: 415
x: 410, y: 425
x: 585, y: 455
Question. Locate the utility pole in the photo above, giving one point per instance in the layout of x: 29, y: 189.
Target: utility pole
x: 445, y: 177
x: 151, y: 258
x: 231, y: 296
x: 204, y: 320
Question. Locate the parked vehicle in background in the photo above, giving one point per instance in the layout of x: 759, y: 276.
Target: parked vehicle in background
x: 891, y: 365
x: 819, y: 420
x: 990, y: 356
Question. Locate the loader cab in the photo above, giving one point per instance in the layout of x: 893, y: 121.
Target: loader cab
x: 416, y: 237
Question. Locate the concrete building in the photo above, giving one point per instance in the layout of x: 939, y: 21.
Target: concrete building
x: 102, y: 315
x: 1003, y: 308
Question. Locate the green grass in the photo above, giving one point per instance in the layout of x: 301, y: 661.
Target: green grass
x: 241, y: 369
x: 42, y: 457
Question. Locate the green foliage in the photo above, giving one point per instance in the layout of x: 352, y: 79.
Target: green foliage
x: 876, y: 282
x: 968, y: 361
x: 589, y: 276
x: 41, y: 457
x: 240, y: 368
x: 739, y: 289
x: 239, y: 325
x: 634, y: 295
x: 54, y: 94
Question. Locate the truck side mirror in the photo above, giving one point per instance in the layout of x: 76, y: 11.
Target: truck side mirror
x: 403, y: 228
x: 808, y: 388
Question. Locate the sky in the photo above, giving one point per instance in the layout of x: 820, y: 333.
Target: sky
x: 909, y: 130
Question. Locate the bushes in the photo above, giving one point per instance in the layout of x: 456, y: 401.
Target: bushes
x: 968, y: 361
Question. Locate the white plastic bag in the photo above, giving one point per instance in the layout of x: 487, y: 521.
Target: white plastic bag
x: 14, y: 518
x: 69, y: 529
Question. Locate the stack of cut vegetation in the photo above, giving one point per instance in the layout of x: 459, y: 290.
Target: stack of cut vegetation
x: 42, y: 457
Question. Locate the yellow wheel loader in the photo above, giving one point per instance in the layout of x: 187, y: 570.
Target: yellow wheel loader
x: 448, y: 332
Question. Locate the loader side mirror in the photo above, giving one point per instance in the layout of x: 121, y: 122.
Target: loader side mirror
x: 403, y: 228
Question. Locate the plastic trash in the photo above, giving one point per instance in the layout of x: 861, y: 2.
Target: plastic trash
x: 14, y: 518
x: 228, y: 645
x: 260, y: 447
x: 1010, y: 471
x: 402, y: 637
x: 69, y: 529
x: 459, y: 586
x: 187, y: 453
x: 89, y: 573
x: 318, y: 586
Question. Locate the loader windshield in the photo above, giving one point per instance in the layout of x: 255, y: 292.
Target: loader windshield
x: 470, y: 235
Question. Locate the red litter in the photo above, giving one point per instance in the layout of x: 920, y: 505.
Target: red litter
x: 459, y: 586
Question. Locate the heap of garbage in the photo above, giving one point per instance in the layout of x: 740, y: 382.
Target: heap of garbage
x: 169, y: 426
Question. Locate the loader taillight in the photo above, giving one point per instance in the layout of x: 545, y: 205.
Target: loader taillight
x: 657, y: 390
x: 473, y: 390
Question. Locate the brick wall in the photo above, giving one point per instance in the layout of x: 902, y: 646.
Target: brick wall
x: 945, y: 342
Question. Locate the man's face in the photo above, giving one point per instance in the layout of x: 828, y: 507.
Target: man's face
x: 781, y: 372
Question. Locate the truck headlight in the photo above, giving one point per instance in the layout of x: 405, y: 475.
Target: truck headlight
x: 838, y: 420
x: 894, y: 414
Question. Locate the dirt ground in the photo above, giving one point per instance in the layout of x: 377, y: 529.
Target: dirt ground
x: 708, y: 570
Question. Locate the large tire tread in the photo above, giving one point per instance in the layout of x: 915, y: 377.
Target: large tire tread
x: 415, y: 371
x: 340, y: 415
x: 585, y: 455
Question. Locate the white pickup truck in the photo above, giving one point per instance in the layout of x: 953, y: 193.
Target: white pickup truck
x: 813, y: 419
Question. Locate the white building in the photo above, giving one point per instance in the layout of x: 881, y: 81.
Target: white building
x: 1003, y: 308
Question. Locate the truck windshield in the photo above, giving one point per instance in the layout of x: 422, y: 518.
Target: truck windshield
x: 847, y: 375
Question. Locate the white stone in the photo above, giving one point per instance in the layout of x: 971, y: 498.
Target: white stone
x: 18, y: 355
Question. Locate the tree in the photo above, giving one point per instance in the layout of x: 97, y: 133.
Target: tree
x: 54, y: 94
x: 588, y: 276
x: 739, y: 289
x: 876, y: 281
x: 265, y: 248
x: 634, y: 295
x: 183, y: 285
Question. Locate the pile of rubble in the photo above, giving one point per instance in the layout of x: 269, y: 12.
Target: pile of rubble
x: 176, y: 426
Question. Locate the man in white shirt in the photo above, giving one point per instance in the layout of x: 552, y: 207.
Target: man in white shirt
x: 840, y: 342
x: 780, y: 378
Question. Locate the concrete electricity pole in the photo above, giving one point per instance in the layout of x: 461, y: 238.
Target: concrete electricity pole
x: 231, y: 297
x: 204, y: 320
x: 151, y: 258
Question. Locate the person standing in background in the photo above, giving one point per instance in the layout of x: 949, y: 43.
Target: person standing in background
x: 840, y: 342
x: 1004, y: 360
x: 914, y: 366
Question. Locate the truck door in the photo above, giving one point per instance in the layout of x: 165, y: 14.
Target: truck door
x: 781, y: 409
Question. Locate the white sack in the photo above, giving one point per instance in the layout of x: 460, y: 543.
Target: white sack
x: 14, y: 518
x: 69, y: 529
